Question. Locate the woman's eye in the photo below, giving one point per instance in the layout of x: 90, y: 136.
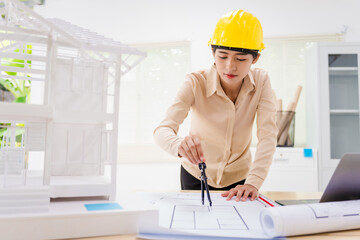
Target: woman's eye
x: 223, y: 57
x: 241, y: 59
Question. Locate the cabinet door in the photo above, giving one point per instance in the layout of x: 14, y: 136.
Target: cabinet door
x: 338, y: 105
x: 344, y: 104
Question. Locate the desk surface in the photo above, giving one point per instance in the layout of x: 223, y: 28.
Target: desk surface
x: 343, y: 235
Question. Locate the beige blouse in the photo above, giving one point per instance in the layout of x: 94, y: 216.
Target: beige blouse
x: 225, y: 128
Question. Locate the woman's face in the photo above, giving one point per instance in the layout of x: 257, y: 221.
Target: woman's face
x: 233, y: 66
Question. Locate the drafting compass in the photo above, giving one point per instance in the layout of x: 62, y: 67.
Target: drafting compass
x: 204, y: 183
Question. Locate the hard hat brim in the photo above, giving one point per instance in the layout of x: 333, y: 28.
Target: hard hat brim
x: 244, y: 50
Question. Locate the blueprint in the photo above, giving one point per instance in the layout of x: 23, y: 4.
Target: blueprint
x: 183, y: 214
x: 203, y: 218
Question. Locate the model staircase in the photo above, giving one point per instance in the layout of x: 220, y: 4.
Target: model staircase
x: 24, y: 199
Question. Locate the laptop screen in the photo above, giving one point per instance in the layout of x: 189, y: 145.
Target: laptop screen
x: 345, y: 181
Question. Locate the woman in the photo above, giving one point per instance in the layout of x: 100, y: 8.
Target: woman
x: 224, y: 101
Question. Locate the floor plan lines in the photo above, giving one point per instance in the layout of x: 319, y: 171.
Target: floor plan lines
x: 220, y: 217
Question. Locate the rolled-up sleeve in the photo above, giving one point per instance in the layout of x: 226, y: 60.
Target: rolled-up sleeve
x: 165, y: 135
x: 266, y: 134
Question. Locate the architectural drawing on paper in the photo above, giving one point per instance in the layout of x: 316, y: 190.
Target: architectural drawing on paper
x: 183, y: 214
x: 220, y: 217
x: 61, y: 141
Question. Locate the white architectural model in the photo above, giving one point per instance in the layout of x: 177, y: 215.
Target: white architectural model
x: 63, y: 142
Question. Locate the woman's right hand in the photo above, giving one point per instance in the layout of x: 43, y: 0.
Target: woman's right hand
x: 191, y: 149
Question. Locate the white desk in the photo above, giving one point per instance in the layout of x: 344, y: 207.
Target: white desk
x: 343, y: 235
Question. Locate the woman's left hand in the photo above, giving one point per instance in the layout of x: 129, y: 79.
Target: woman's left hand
x: 242, y: 192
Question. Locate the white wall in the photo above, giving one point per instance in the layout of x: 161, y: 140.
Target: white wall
x: 144, y: 21
x: 147, y: 21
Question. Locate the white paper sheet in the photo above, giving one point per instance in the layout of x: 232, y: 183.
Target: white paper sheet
x: 311, y: 218
x: 181, y: 215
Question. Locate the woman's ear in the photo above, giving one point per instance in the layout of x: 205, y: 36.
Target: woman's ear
x: 256, y: 59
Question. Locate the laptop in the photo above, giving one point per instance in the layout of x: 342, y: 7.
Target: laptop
x: 343, y: 185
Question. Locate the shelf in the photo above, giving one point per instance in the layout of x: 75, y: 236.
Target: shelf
x: 343, y: 71
x: 344, y: 111
x: 343, y: 68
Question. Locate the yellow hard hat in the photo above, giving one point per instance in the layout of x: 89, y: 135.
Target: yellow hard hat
x: 238, y: 29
